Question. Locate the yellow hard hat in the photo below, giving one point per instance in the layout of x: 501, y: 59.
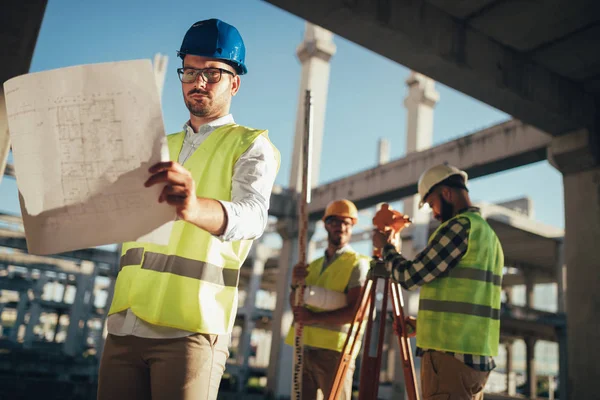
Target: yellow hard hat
x: 341, y: 208
x: 435, y: 175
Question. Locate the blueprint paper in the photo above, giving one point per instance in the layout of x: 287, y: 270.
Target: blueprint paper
x: 83, y: 139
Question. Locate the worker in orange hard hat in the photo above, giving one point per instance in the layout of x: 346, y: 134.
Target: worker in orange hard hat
x: 460, y: 277
x: 334, y: 283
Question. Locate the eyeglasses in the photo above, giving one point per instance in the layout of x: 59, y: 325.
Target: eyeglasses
x: 209, y: 75
x: 336, y: 221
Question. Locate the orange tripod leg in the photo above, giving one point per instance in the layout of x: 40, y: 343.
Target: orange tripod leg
x: 408, y: 365
x: 351, y: 341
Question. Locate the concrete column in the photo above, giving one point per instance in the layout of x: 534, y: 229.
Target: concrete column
x: 529, y: 289
x: 563, y: 363
x: 35, y: 310
x: 260, y: 254
x: 531, y: 388
x: 383, y: 151
x: 21, y: 310
x: 279, y: 375
x: 79, y: 312
x: 577, y: 156
x: 511, y: 385
x: 509, y: 293
x: 419, y: 103
x: 314, y: 54
x: 561, y: 278
x: 57, y: 327
x: 160, y: 69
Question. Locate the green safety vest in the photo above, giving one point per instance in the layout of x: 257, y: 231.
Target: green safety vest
x: 336, y: 277
x: 459, y: 311
x: 191, y: 283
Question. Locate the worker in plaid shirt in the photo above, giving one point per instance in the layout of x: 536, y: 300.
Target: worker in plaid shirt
x: 460, y: 276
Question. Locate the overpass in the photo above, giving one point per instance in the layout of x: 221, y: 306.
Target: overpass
x: 535, y: 60
x: 546, y: 74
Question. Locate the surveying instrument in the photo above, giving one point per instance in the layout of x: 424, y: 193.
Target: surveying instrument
x: 392, y: 222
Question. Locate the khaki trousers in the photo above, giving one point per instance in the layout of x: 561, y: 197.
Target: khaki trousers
x: 318, y: 374
x: 443, y: 377
x: 187, y: 368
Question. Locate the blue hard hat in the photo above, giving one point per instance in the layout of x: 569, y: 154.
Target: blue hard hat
x: 215, y: 39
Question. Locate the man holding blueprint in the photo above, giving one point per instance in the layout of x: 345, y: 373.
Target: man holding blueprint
x: 175, y: 303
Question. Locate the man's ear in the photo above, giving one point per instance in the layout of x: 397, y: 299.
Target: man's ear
x: 235, y: 85
x: 447, y: 193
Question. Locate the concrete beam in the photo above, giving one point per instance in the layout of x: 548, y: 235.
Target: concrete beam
x: 92, y: 254
x: 19, y: 30
x: 501, y: 147
x: 41, y: 263
x: 428, y: 40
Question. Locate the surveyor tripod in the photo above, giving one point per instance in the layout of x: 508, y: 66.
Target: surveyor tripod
x: 371, y: 363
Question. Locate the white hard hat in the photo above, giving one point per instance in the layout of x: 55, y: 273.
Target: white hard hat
x: 435, y: 175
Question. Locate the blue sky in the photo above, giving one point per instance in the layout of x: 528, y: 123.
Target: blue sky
x: 359, y: 110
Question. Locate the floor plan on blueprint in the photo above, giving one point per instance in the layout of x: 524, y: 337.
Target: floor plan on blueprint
x: 83, y: 138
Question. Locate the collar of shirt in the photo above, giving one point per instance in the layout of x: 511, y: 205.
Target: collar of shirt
x: 337, y: 253
x: 469, y: 209
x: 207, y: 128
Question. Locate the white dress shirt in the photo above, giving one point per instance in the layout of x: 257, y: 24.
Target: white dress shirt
x: 247, y: 212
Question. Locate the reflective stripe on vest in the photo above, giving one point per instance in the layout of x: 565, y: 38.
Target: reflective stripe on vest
x: 190, y: 283
x: 335, y: 277
x: 460, y: 311
x: 181, y: 266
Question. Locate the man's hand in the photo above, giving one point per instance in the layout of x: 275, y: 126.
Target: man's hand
x: 380, y: 239
x: 299, y: 272
x: 411, y: 326
x: 179, y: 190
x: 304, y: 315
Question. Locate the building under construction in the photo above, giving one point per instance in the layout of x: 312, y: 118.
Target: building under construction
x: 53, y: 309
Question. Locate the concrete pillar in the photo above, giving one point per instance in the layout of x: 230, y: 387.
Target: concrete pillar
x: 531, y: 388
x: 79, y: 313
x: 260, y: 255
x: 563, y: 362
x: 419, y: 103
x: 160, y: 69
x: 35, y: 310
x: 314, y: 54
x: 529, y: 289
x: 561, y: 278
x: 21, y: 310
x: 577, y: 156
x: 383, y: 151
x: 509, y: 293
x: 511, y: 385
x: 279, y: 374
x: 57, y: 327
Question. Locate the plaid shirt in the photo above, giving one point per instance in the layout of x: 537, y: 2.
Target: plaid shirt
x: 445, y: 251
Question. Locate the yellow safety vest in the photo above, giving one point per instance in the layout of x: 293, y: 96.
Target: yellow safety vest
x: 336, y: 277
x: 191, y: 283
x: 460, y: 311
